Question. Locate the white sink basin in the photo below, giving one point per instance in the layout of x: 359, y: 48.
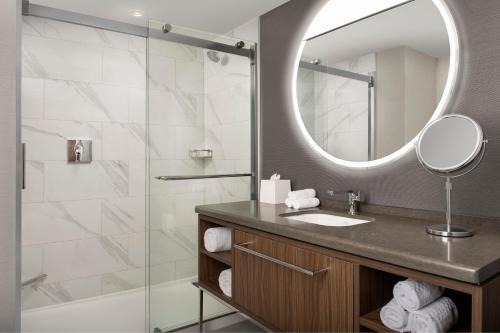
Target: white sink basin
x: 328, y: 219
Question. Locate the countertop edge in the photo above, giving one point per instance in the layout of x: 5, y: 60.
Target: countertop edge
x: 456, y: 272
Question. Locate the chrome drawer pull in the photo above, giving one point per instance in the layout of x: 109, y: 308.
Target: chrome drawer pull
x: 244, y: 247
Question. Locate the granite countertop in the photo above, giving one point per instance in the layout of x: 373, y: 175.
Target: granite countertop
x: 393, y: 239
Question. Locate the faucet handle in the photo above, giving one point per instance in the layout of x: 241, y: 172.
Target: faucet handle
x: 354, y: 196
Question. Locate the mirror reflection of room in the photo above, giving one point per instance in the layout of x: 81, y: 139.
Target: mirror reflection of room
x: 368, y: 88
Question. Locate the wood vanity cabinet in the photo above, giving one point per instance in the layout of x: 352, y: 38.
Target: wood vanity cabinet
x: 293, y: 286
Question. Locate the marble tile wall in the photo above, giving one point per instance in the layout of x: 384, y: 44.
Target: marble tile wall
x: 200, y: 104
x: 83, y: 225
x: 335, y: 109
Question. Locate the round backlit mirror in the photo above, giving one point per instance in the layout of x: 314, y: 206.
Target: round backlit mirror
x: 450, y: 146
x: 370, y: 75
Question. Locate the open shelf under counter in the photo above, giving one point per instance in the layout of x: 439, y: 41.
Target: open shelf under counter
x: 225, y: 257
x: 372, y: 321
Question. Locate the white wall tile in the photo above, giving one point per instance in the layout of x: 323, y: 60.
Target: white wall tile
x: 58, y: 59
x: 123, y: 215
x: 162, y: 142
x: 137, y: 178
x: 60, y: 221
x: 86, y: 181
x: 189, y: 76
x: 67, y: 100
x: 123, y: 280
x: 32, y: 98
x: 124, y: 141
x: 161, y: 73
x: 32, y: 261
x: 137, y: 105
x: 60, y: 292
x: 162, y: 273
x: 125, y: 68
x: 88, y: 257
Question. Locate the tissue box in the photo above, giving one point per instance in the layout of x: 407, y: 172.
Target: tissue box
x: 274, y: 191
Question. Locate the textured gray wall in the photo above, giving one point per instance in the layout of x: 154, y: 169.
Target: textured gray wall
x: 404, y: 183
x: 9, y: 173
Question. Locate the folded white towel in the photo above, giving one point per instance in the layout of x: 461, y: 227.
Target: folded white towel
x: 302, y: 194
x: 289, y: 203
x: 217, y: 239
x: 394, y: 316
x: 225, y: 282
x: 305, y: 203
x: 438, y: 316
x: 413, y: 295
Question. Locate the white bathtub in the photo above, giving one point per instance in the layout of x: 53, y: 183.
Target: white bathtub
x: 172, y: 305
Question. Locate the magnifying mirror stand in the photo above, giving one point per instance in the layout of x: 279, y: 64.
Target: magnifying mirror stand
x: 449, y: 230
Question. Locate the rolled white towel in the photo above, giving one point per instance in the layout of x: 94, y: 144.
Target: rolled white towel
x: 306, y: 203
x: 217, y: 239
x: 438, y: 316
x: 394, y: 316
x: 302, y: 194
x: 413, y: 295
x: 225, y: 282
x: 289, y: 203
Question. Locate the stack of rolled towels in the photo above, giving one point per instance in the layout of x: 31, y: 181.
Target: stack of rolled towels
x: 419, y: 307
x: 216, y: 240
x: 225, y: 282
x: 302, y: 199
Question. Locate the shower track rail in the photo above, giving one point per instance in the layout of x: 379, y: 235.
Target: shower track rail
x: 189, y: 177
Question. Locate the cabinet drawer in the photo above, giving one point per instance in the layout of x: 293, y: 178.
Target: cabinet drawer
x: 292, y: 288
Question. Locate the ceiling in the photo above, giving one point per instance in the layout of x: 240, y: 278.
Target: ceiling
x: 216, y: 16
x: 417, y: 25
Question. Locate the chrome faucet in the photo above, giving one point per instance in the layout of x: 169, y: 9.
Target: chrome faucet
x: 354, y: 198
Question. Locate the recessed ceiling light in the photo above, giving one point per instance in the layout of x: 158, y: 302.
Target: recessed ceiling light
x: 136, y: 13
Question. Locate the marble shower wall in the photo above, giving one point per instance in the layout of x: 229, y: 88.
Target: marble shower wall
x: 197, y: 104
x: 83, y: 225
x: 335, y: 109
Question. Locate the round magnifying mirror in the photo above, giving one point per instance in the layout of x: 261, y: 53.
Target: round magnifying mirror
x: 449, y: 143
x: 450, y: 146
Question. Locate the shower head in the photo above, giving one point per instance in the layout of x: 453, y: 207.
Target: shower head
x: 213, y: 56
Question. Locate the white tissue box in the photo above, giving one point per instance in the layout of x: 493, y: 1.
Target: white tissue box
x: 274, y: 191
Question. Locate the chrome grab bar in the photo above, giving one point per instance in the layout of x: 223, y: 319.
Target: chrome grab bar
x: 229, y: 175
x: 34, y: 280
x: 244, y: 247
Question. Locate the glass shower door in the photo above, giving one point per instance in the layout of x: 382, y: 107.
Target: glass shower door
x: 200, y: 120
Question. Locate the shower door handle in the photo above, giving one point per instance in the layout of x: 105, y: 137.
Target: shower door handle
x: 23, y: 186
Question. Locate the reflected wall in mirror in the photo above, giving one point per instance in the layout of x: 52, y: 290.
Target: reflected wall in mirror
x: 367, y: 88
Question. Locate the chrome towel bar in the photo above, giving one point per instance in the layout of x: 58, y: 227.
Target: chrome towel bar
x: 244, y: 247
x: 229, y: 175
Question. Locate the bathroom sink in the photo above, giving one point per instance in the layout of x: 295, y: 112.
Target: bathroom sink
x: 326, y: 219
